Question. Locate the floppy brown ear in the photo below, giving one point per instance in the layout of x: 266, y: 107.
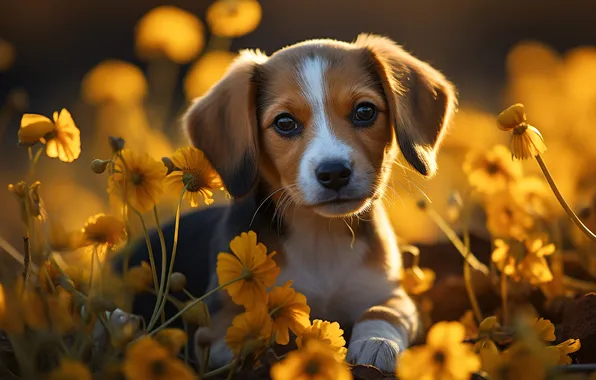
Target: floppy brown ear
x: 223, y: 124
x: 421, y: 101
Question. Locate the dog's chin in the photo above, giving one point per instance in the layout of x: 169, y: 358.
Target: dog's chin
x: 341, y: 208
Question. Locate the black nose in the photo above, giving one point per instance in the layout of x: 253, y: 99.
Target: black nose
x: 333, y: 175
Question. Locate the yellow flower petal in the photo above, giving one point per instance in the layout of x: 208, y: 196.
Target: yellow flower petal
x: 544, y: 329
x: 33, y: 128
x: 567, y: 347
x: 511, y: 117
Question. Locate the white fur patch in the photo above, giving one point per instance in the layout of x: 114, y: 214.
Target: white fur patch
x: 327, y: 267
x: 325, y: 146
x: 377, y: 343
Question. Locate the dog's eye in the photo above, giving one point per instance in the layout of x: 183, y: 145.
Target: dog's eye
x: 364, y: 114
x: 286, y: 125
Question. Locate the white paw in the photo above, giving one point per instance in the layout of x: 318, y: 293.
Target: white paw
x: 379, y: 352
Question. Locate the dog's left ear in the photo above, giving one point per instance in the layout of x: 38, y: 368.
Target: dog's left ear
x: 420, y: 100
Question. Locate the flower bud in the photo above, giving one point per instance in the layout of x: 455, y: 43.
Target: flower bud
x: 99, y: 166
x: 18, y: 100
x: 512, y: 117
x: 204, y: 337
x: 177, y: 282
x: 116, y: 143
x: 198, y: 314
x: 20, y: 189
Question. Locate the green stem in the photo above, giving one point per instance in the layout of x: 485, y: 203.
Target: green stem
x: 150, y: 250
x: 562, y: 201
x: 467, y: 274
x: 161, y: 302
x: 455, y: 240
x: 93, y: 255
x: 33, y: 163
x: 193, y: 303
x: 188, y: 294
x: 228, y: 367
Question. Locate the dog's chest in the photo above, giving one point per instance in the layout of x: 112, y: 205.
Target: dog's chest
x: 330, y: 271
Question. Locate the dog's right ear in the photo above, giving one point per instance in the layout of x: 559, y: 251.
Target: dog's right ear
x: 223, y: 124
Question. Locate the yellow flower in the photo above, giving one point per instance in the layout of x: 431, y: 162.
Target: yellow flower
x: 171, y: 32
x: 61, y: 136
x: 314, y: 361
x: 250, y: 332
x: 114, y: 81
x: 250, y: 260
x: 526, y: 141
x: 534, y: 195
x: 146, y: 359
x: 71, y: 370
x: 565, y: 348
x: 289, y: 311
x: 144, y: 180
x: 172, y: 340
x: 196, y: 173
x: 329, y: 333
x: 418, y: 280
x: 492, y: 171
x: 506, y: 218
x: 524, y: 260
x: 104, y: 229
x: 519, y: 362
x: 34, y: 128
x: 443, y: 357
x: 233, y: 18
x: 140, y: 278
x: 544, y: 329
x: 210, y: 68
x: 485, y: 333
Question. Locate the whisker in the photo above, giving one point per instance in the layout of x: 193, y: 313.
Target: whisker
x: 261, y: 205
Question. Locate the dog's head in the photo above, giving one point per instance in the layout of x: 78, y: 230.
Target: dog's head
x: 323, y: 120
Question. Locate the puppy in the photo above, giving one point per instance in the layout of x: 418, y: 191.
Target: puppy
x: 304, y: 141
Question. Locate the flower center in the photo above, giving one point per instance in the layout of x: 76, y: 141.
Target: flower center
x: 312, y: 367
x: 192, y: 182
x: 247, y: 274
x: 158, y: 368
x: 136, y: 178
x: 439, y: 357
x: 520, y: 129
x: 492, y: 168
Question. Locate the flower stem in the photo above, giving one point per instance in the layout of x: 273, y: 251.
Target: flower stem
x: 193, y: 303
x: 165, y: 280
x: 93, y: 255
x: 219, y: 371
x: 504, y: 304
x: 467, y: 274
x: 562, y: 201
x: 150, y: 250
x: 33, y: 163
x: 455, y: 240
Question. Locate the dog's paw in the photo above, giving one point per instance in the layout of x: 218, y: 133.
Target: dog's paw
x: 379, y: 352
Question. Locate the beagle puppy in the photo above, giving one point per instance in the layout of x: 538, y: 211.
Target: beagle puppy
x: 305, y: 140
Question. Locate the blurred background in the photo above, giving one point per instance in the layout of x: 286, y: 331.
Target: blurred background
x: 129, y: 68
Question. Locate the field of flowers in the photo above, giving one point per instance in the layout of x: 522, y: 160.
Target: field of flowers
x: 499, y: 248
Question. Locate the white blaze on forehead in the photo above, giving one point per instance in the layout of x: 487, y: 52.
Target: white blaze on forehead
x: 324, y: 146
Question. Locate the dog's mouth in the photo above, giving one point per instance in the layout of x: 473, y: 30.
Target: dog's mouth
x: 340, y: 206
